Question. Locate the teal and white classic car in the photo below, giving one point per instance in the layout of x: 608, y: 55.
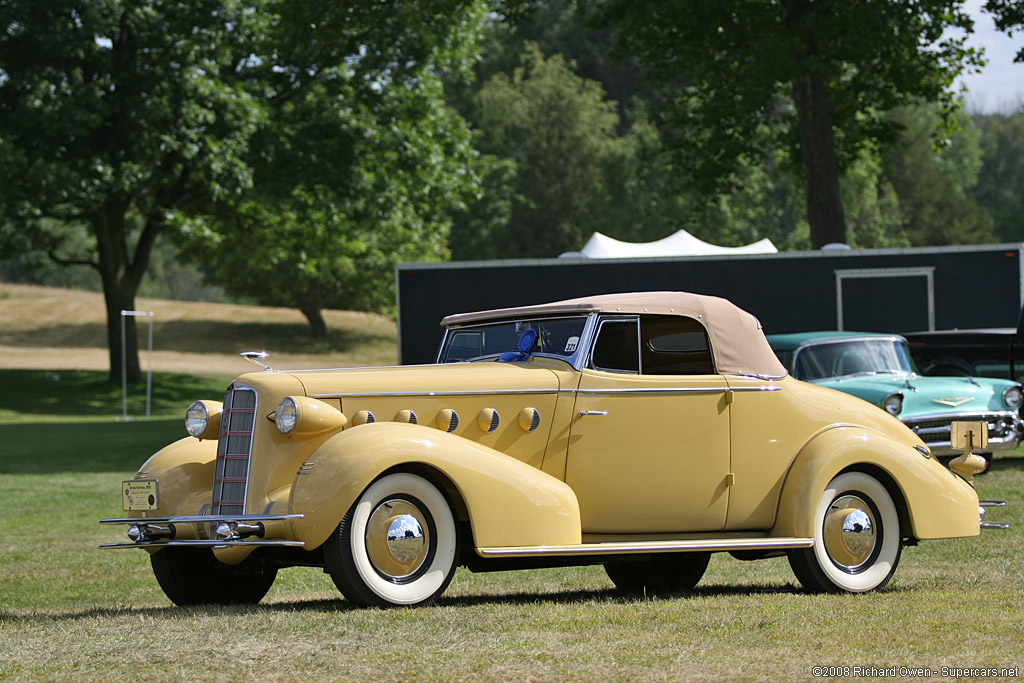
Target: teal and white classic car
x: 878, y: 368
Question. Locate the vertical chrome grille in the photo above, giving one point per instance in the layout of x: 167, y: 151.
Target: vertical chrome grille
x: 231, y: 473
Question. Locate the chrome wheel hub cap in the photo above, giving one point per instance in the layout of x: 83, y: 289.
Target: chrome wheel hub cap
x: 398, y: 539
x: 850, y: 533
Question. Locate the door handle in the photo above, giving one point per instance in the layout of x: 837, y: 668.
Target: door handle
x: 593, y: 412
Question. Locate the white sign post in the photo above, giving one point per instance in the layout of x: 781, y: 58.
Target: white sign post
x: 124, y: 361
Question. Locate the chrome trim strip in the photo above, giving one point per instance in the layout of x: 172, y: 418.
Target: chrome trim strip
x: 205, y: 544
x: 478, y: 392
x: 632, y: 548
x: 992, y: 503
x: 534, y: 392
x: 994, y: 525
x: 959, y: 417
x: 202, y: 519
x: 656, y: 390
x: 677, y: 390
x: 525, y: 312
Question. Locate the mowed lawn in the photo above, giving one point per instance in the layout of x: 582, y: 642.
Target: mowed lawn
x: 70, y: 610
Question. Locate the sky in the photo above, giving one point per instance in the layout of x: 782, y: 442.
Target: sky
x: 999, y: 88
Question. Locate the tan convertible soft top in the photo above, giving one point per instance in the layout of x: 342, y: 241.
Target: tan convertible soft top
x: 737, y: 340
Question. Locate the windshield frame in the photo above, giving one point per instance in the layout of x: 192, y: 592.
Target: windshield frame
x: 575, y: 359
x: 893, y: 339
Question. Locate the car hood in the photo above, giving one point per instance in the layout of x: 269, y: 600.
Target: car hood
x: 927, y: 395
x: 482, y: 377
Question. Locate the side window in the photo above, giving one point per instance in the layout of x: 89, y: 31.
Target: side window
x: 674, y: 345
x: 617, y: 347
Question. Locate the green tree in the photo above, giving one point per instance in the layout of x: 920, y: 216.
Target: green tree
x: 1009, y: 17
x: 1000, y: 187
x: 557, y: 128
x: 934, y: 182
x: 722, y: 64
x: 129, y: 118
x: 313, y: 242
x: 112, y: 115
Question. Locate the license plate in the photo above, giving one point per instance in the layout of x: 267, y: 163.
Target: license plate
x: 140, y: 494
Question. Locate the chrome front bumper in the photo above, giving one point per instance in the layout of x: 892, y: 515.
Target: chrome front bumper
x: 1004, y: 430
x: 211, y: 531
x: 982, y: 504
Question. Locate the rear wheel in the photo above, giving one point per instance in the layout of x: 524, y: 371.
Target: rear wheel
x: 660, y: 574
x: 193, y: 576
x: 396, y: 546
x: 857, y: 539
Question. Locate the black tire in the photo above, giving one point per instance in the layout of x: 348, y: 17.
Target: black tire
x: 193, y: 576
x: 660, y: 575
x: 857, y: 540
x: 397, y: 546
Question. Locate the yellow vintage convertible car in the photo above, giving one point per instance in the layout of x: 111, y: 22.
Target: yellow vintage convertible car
x: 640, y: 431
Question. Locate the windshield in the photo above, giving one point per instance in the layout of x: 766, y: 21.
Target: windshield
x: 558, y: 337
x: 859, y: 357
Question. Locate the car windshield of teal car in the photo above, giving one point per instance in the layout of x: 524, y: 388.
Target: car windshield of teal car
x: 556, y: 337
x: 860, y: 357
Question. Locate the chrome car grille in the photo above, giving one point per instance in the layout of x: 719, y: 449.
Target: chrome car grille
x: 935, y: 430
x: 231, y: 473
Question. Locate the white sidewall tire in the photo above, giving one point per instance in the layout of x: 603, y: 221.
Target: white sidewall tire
x: 442, y: 564
x: 888, y: 554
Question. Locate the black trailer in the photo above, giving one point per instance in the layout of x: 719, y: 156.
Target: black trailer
x: 876, y: 290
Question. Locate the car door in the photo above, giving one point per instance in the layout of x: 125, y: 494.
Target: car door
x: 649, y: 445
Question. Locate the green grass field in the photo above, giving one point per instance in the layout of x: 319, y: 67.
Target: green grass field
x: 71, y: 610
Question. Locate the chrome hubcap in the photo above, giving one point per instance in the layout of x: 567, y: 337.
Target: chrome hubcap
x: 850, y: 533
x: 398, y: 539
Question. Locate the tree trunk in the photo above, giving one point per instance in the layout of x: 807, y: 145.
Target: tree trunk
x: 818, y: 148
x: 311, y: 306
x: 121, y: 276
x: 317, y: 324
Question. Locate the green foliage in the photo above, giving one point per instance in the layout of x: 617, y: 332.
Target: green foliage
x: 219, y: 117
x: 359, y: 165
x: 1000, y: 187
x: 934, y: 181
x: 556, y: 127
x: 1009, y: 17
x: 722, y: 66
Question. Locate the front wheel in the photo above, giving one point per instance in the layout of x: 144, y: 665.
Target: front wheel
x: 857, y: 539
x: 396, y: 546
x: 193, y: 576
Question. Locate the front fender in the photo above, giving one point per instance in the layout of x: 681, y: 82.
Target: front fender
x: 939, y: 504
x: 185, y: 472
x: 509, y: 503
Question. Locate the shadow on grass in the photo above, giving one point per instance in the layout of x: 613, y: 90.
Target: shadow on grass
x: 1016, y: 463
x: 206, y: 336
x: 52, y: 448
x: 339, y: 605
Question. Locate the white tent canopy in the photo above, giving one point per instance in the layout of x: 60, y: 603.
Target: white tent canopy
x: 680, y: 243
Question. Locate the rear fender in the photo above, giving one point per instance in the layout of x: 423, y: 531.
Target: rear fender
x: 508, y: 502
x: 938, y: 503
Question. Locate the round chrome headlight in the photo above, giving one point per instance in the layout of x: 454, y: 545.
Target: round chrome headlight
x: 304, y: 416
x: 893, y: 403
x: 1013, y: 397
x: 287, y: 415
x: 202, y: 419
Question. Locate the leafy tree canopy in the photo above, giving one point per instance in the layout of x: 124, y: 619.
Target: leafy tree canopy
x: 129, y: 118
x: 723, y: 64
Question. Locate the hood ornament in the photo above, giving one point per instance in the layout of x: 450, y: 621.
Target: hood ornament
x: 255, y: 357
x: 953, y: 401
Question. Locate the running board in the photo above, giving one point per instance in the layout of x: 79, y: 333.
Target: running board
x: 634, y: 548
